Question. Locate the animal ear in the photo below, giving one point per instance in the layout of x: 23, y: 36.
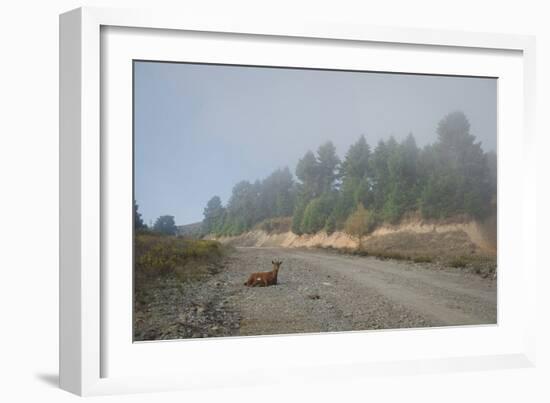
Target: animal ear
x: 272, y: 262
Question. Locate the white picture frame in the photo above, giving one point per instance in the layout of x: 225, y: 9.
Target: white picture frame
x: 93, y: 350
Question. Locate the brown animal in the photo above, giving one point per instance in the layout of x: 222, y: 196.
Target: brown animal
x: 265, y: 278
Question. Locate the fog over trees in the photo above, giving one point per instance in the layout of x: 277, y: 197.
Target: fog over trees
x: 452, y: 176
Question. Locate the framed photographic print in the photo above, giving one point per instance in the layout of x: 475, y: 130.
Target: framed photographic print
x: 238, y: 197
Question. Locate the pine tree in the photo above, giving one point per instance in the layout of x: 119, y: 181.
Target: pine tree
x: 354, y: 175
x: 460, y: 181
x: 327, y: 165
x: 213, y: 216
x: 307, y: 171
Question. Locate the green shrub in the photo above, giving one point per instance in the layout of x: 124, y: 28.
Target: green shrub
x: 360, y: 223
x: 317, y: 213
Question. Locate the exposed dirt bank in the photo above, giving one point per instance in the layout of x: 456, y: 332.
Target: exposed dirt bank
x: 413, y: 237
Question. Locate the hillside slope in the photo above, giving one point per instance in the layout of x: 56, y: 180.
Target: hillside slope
x: 411, y: 237
x: 192, y: 230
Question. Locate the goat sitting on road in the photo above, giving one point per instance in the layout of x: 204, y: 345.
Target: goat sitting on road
x: 266, y: 278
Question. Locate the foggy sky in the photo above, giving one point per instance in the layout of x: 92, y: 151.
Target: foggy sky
x: 200, y: 129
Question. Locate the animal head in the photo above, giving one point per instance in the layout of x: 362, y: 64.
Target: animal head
x: 276, y: 264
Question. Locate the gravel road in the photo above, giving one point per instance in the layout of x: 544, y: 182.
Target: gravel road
x: 320, y: 291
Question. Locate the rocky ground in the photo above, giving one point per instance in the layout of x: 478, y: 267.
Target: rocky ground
x: 171, y: 309
x: 318, y: 291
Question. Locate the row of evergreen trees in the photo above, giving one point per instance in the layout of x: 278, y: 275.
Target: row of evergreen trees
x: 452, y: 176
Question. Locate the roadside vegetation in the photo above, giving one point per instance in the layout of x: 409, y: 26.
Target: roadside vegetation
x: 165, y: 260
x: 483, y: 265
x: 173, y: 294
x: 162, y: 255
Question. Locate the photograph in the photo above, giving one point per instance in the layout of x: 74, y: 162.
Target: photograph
x: 277, y: 200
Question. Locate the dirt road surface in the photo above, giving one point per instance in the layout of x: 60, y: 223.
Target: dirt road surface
x: 321, y: 291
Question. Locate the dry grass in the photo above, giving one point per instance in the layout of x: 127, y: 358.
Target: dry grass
x: 188, y: 259
x: 483, y: 265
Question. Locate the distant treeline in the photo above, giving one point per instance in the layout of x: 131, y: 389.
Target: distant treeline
x: 165, y: 224
x: 450, y: 177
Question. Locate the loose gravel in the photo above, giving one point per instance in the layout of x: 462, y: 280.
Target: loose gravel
x: 317, y: 291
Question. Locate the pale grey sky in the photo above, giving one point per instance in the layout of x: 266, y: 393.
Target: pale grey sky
x: 199, y: 129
